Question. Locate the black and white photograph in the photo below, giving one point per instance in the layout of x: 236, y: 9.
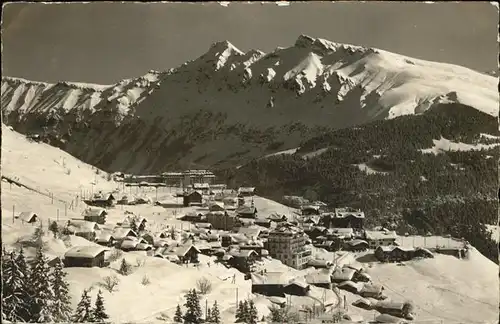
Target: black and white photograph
x: 250, y: 162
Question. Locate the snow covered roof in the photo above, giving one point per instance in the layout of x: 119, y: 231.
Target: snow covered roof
x: 201, y: 186
x: 87, y: 252
x: 242, y: 253
x: 203, y: 225
x: 380, y: 235
x: 27, y: 216
x: 121, y: 232
x: 94, y: 212
x: 343, y: 274
x: 250, y: 232
x: 104, y: 237
x: 129, y: 244
x: 246, y: 189
x: 81, y: 226
x: 356, y: 285
x: 246, y: 210
x: 356, y: 242
x: 102, y: 196
x: 318, y: 277
x: 271, y: 278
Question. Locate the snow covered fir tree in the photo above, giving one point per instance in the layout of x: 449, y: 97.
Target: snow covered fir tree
x: 39, y: 294
x: 193, y: 308
x: 246, y: 312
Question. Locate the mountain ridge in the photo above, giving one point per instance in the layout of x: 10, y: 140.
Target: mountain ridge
x: 218, y: 100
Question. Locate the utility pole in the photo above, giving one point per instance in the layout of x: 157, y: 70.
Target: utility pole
x: 13, y: 213
x: 57, y: 214
x: 206, y: 309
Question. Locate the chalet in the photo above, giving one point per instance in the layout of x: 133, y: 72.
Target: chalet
x: 356, y: 245
x: 341, y: 233
x: 101, y: 200
x: 216, y: 206
x: 399, y: 254
x: 327, y: 245
x: 126, y: 200
x: 246, y: 191
x: 187, y: 253
x: 247, y: 212
x: 264, y: 222
x: 319, y: 263
x: 397, y: 309
x: 193, y: 198
x: 310, y: 210
x: 373, y: 291
x: 297, y: 287
x: 363, y: 303
x: 203, y: 188
x: 121, y: 233
x: 343, y: 274
x: 230, y: 203
x: 251, y: 233
x: 149, y: 238
x: 192, y: 217
x: 276, y: 284
x: 131, y: 243
x: 315, y: 231
x: 96, y: 215
x: 222, y: 220
x: 243, y: 260
x: 245, y: 222
x: 350, y: 286
x: 106, y: 239
x: 380, y: 238
x: 319, y: 279
x: 28, y: 217
x: 85, y: 256
x: 82, y: 228
x: 256, y: 246
x: 347, y: 217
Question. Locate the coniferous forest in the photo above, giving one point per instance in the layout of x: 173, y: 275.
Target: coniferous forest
x: 405, y: 188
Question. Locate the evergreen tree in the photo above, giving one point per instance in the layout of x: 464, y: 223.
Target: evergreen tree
x: 124, y: 268
x: 240, y: 313
x: 178, y: 314
x: 15, y: 305
x: 252, y: 313
x: 54, y: 228
x: 61, y: 307
x: 209, y: 316
x: 25, y: 288
x: 99, y: 313
x: 38, y: 236
x: 83, y: 313
x: 193, y: 308
x: 245, y: 311
x: 215, y: 316
x: 41, y: 291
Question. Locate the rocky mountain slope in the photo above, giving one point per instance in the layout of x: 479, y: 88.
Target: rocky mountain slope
x: 228, y: 106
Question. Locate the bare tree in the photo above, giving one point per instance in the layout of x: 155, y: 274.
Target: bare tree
x: 145, y: 280
x: 204, y: 286
x: 110, y: 282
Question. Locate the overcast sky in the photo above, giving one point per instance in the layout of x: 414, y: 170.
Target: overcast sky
x: 106, y: 42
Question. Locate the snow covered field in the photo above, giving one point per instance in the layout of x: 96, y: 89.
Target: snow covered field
x: 444, y: 144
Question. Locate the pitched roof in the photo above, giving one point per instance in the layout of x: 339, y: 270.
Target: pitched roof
x: 380, y: 235
x: 102, y: 196
x: 121, y: 233
x: 343, y: 274
x: 104, y: 237
x: 94, y: 212
x: 242, y: 253
x: 249, y: 231
x: 81, y: 226
x: 318, y: 277
x: 27, y: 216
x: 271, y: 278
x: 246, y: 210
x: 84, y: 251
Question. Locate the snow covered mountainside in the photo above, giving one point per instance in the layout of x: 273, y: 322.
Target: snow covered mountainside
x: 227, y: 106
